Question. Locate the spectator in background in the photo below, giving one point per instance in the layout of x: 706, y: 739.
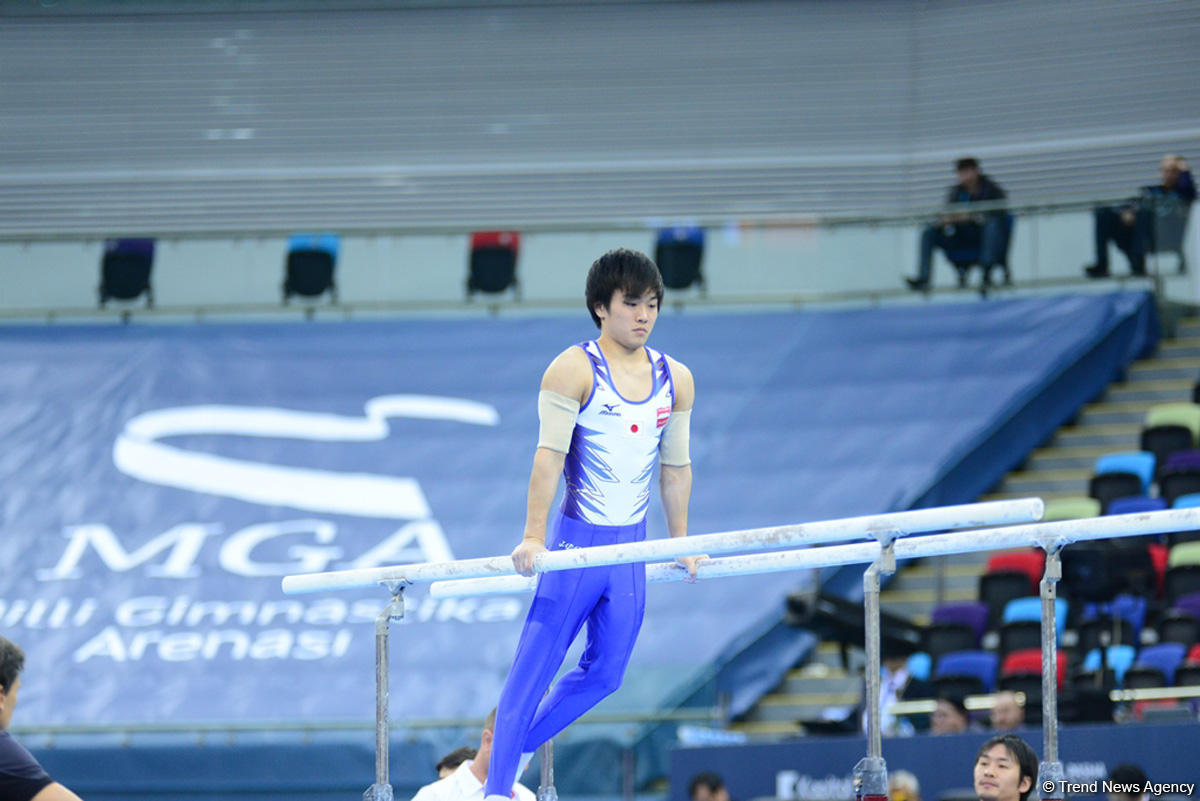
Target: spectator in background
x: 1007, y: 712
x: 707, y: 787
x: 962, y: 230
x: 21, y: 777
x: 903, y: 786
x: 465, y: 783
x: 1129, y: 776
x: 896, y: 684
x: 950, y: 716
x: 450, y: 762
x: 1005, y: 769
x: 1131, y: 227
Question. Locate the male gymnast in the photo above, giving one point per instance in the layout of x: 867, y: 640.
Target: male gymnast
x: 605, y: 445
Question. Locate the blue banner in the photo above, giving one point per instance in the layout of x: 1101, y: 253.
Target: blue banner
x: 159, y: 482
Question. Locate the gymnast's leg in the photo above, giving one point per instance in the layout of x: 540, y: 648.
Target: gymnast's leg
x: 612, y: 630
x: 563, y: 601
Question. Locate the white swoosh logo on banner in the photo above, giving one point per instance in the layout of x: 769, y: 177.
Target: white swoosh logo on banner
x: 138, y: 453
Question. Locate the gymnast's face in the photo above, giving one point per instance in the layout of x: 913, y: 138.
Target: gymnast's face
x: 628, y: 320
x: 8, y: 700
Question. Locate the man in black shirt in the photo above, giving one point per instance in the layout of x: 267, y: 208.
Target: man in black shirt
x: 21, y: 777
x: 962, y: 230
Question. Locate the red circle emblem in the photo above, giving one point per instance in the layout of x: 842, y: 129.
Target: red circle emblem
x: 633, y: 428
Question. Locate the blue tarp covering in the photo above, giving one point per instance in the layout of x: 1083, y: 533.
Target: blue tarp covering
x: 158, y: 482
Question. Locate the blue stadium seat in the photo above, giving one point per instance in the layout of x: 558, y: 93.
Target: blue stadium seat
x: 977, y: 664
x: 1031, y: 609
x: 1139, y: 463
x: 308, y: 271
x: 1131, y: 504
x: 1119, y: 657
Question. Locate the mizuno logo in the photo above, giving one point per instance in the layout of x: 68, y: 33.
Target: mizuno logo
x: 610, y: 409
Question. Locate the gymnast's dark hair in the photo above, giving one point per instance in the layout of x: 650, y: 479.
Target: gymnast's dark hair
x: 627, y: 270
x: 12, y: 662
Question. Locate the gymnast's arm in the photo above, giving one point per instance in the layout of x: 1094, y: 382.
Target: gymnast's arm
x: 567, y: 380
x: 675, y: 479
x: 55, y: 792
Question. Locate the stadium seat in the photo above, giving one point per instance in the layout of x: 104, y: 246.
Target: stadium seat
x: 1029, y: 661
x: 1175, y: 414
x: 1119, y: 659
x: 1158, y: 557
x: 678, y: 252
x: 966, y: 672
x: 309, y: 267
x: 1076, y: 508
x: 920, y: 665
x: 1187, y: 676
x: 997, y: 589
x: 1087, y: 572
x: 1164, y: 440
x: 964, y: 258
x: 1179, y: 581
x: 1019, y: 635
x: 1135, y: 503
x: 972, y: 613
x: 1179, y: 626
x: 1186, y: 459
x: 1168, y: 234
x: 125, y: 270
x: 1184, y: 502
x: 1138, y: 463
x: 1187, y: 501
x: 1030, y: 609
x: 1106, y: 487
x: 1133, y: 567
x: 1118, y: 630
x: 1185, y: 553
x: 492, y: 266
x: 1155, y: 666
x: 1175, y: 482
x: 944, y: 638
x: 1030, y: 561
x: 1188, y: 603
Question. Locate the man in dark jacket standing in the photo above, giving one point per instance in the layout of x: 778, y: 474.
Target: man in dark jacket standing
x: 961, y: 230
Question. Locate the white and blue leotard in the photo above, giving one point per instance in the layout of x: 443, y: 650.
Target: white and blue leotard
x: 607, y: 470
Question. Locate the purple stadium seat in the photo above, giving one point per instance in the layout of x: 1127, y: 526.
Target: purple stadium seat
x: 1183, y: 460
x: 1188, y: 603
x: 971, y: 613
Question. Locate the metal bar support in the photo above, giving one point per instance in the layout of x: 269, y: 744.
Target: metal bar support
x: 1050, y: 771
x: 381, y: 790
x: 884, y: 565
x: 546, y: 791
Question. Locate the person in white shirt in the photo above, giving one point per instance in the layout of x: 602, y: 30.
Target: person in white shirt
x: 466, y: 782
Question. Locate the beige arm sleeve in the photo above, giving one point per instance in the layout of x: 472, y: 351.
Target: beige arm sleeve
x: 673, y: 449
x: 556, y: 414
